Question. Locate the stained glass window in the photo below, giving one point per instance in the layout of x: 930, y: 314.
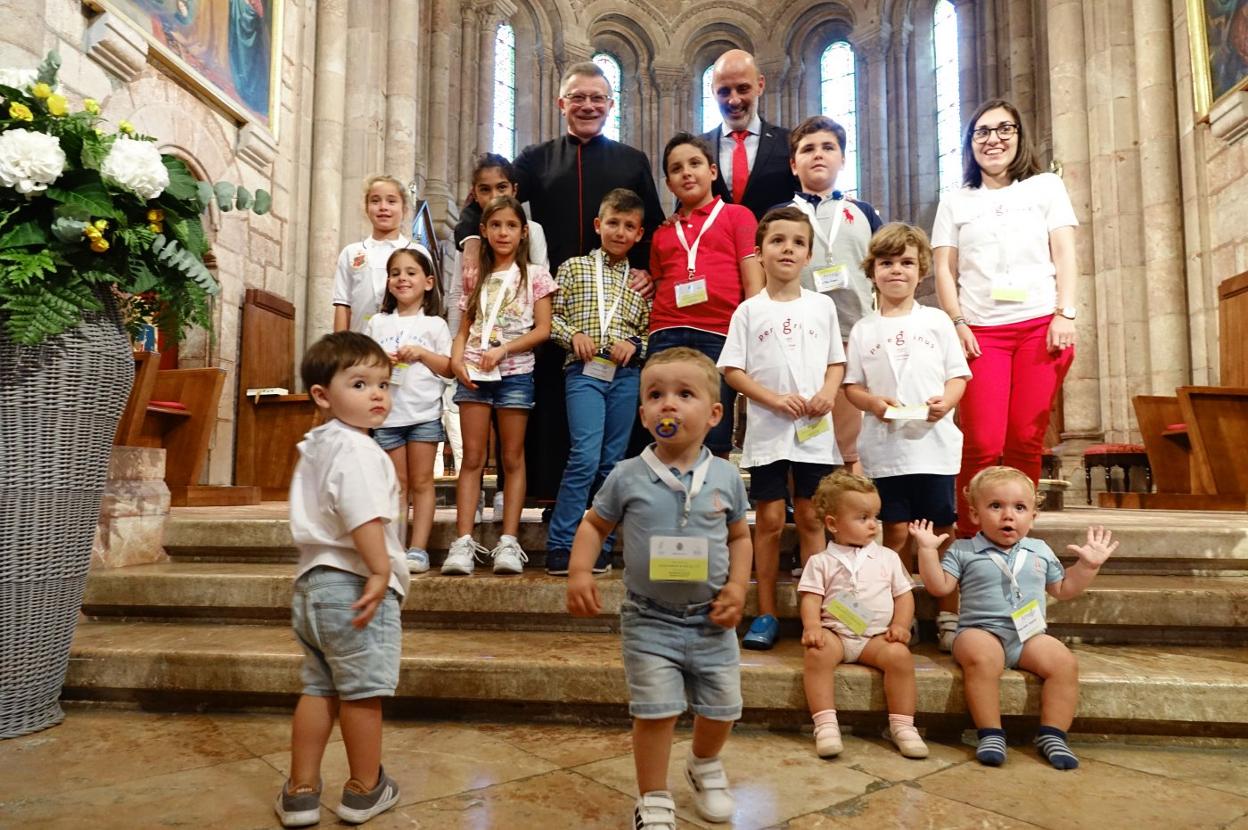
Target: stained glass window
x: 838, y: 99
x: 948, y: 114
x: 610, y: 67
x: 505, y: 91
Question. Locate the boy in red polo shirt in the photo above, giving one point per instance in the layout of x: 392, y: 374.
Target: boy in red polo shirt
x: 702, y: 261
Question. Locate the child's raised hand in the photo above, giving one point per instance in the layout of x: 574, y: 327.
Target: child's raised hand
x: 583, y: 346
x: 937, y: 408
x: 812, y: 637
x: 819, y: 405
x: 924, y: 535
x: 492, y: 358
x: 583, y: 598
x: 728, y: 605
x: 1099, y: 547
x: 880, y: 405
x: 622, y: 351
x: 372, y: 595
x: 791, y: 405
x: 897, y: 634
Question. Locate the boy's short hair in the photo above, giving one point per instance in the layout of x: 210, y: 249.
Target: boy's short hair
x: 788, y: 213
x: 684, y: 354
x: 687, y: 138
x: 891, y: 240
x: 991, y: 476
x: 621, y: 200
x: 337, y: 352
x: 816, y: 124
x: 834, y: 486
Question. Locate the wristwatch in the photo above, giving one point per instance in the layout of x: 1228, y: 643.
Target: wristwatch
x: 1068, y: 312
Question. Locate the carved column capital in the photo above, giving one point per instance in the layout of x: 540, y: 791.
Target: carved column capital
x: 872, y: 41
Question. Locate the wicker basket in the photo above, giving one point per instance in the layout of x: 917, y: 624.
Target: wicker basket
x: 59, y: 406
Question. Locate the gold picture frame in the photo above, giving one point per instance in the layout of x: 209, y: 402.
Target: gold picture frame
x: 220, y: 91
x: 1217, y: 69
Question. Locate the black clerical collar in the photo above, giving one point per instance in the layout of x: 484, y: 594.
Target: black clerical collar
x: 574, y: 141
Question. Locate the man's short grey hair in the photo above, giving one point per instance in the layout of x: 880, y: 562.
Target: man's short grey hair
x: 584, y: 69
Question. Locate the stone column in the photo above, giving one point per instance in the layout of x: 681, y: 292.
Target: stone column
x: 469, y: 71
x: 487, y: 34
x: 1021, y: 59
x: 1069, y: 93
x: 968, y: 57
x: 872, y: 44
x: 673, y: 85
x: 324, y: 213
x: 402, y: 72
x: 438, y: 190
x: 899, y: 122
x: 772, y: 103
x: 1159, y: 188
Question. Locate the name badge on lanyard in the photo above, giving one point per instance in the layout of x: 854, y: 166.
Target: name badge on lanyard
x: 487, y: 327
x: 600, y: 366
x: 896, y: 348
x: 679, y: 558
x: 846, y: 607
x: 833, y: 276
x: 789, y: 337
x: 1027, y: 616
x: 693, y: 290
x: 1006, y: 287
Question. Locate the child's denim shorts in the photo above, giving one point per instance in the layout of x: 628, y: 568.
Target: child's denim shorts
x: 512, y: 392
x: 391, y: 438
x: 340, y: 659
x: 673, y: 652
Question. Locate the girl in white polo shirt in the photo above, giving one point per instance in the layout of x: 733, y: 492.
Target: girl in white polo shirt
x: 906, y: 370
x: 1005, y: 273
x: 360, y: 278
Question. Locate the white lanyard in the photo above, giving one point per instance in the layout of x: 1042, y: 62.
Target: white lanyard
x: 1018, y: 567
x: 838, y: 217
x: 692, y: 250
x: 604, y: 315
x: 846, y: 560
x: 490, y: 319
x: 676, y: 485
x: 885, y: 336
x: 794, y: 358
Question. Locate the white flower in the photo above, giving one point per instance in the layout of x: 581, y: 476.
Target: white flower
x: 30, y: 161
x: 136, y: 166
x: 18, y: 78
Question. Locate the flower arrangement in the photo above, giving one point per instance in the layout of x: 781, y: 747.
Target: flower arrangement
x: 84, y: 209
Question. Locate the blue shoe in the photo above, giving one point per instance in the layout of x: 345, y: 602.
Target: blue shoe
x: 762, y: 634
x: 557, y: 562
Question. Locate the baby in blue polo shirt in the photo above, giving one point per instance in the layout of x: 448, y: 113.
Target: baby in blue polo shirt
x: 1003, y: 577
x: 687, y: 558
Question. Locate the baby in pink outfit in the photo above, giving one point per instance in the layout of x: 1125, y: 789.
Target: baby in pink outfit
x: 857, y: 607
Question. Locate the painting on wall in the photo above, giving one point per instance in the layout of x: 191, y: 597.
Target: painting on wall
x: 229, y: 50
x: 1218, y: 31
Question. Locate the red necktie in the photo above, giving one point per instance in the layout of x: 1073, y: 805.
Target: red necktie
x: 740, y: 165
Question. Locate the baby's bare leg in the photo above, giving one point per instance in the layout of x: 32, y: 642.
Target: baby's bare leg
x: 1058, y: 668
x: 819, y: 672
x: 652, y: 748
x: 896, y: 662
x: 982, y: 659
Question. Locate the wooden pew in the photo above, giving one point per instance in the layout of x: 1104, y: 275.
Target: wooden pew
x: 270, y: 426
x: 1169, y: 451
x: 130, y: 427
x: 1217, y: 426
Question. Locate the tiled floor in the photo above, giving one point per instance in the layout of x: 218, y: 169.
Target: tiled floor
x: 105, y: 768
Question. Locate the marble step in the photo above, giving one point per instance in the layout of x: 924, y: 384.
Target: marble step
x: 1186, y: 690
x: 1152, y: 542
x: 1117, y: 608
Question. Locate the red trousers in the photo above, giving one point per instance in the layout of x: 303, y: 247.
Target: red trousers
x: 1005, y: 411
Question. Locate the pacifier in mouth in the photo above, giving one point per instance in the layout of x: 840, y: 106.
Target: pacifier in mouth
x: 666, y: 427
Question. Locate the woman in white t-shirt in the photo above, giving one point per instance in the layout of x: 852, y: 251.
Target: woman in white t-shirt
x: 1005, y: 273
x: 418, y: 343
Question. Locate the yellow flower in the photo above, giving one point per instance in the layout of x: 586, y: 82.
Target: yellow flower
x: 102, y: 224
x: 99, y: 245
x: 57, y: 105
x: 20, y: 112
x: 41, y: 90
x: 155, y: 215
x: 91, y: 106
x: 125, y: 127
x: 91, y: 232
x: 156, y: 227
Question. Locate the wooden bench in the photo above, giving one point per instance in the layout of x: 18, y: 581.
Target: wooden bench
x: 270, y: 427
x: 130, y: 427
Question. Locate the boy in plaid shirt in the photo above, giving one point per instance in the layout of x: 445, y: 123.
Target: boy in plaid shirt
x: 602, y: 322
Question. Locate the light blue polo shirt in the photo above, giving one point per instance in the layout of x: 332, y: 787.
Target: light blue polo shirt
x: 643, y: 506
x: 987, y: 598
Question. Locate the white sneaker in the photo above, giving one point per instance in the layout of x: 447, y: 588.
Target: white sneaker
x: 508, y: 556
x: 709, y: 782
x: 417, y: 560
x: 498, y: 506
x: 947, y: 628
x: 828, y: 742
x: 907, y: 741
x: 460, y: 559
x: 655, y: 811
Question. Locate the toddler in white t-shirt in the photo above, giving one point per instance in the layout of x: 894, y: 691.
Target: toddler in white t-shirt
x: 908, y: 372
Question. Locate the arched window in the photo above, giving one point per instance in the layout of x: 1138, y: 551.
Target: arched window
x: 838, y: 99
x: 948, y: 115
x: 505, y: 91
x: 710, y: 104
x: 610, y: 67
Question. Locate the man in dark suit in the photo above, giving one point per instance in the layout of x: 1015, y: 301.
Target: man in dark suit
x: 745, y: 137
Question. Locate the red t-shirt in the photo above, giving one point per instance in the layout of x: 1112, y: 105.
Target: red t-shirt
x: 726, y: 243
